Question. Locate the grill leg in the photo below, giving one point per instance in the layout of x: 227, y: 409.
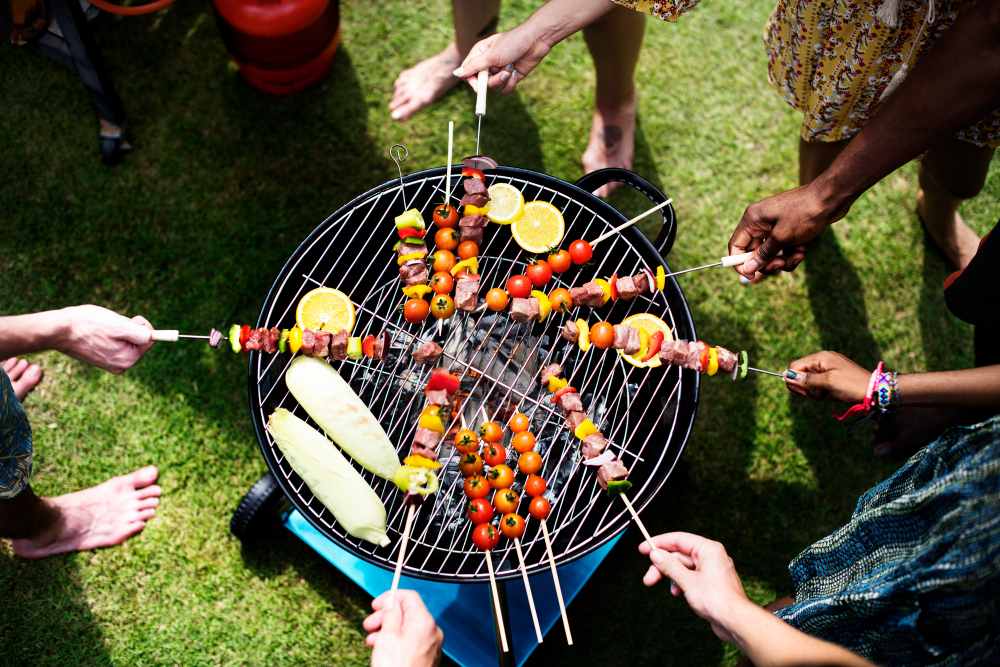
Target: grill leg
x: 506, y: 659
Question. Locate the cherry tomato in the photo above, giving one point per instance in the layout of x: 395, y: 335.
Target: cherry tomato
x: 415, y: 310
x: 485, y: 536
x: 602, y: 335
x: 580, y: 251
x: 495, y: 454
x: 472, y: 172
x: 506, y: 500
x: 244, y: 336
x: 491, y: 432
x: 479, y: 510
x: 519, y: 422
x: 496, y: 299
x: 444, y: 260
x: 561, y: 300
x: 523, y: 441
x: 512, y: 526
x: 529, y: 463
x: 446, y: 239
x: 500, y: 476
x: 442, y: 282
x: 519, y: 286
x: 539, y: 508
x: 539, y: 273
x: 535, y: 485
x: 477, y: 487
x: 442, y: 306
x: 445, y: 215
x: 471, y: 464
x: 466, y: 441
x: 560, y: 261
x: 467, y: 249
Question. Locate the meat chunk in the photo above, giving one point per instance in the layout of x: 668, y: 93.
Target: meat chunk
x: 427, y: 353
x: 467, y: 293
x: 641, y: 282
x: 611, y: 471
x: 693, y: 359
x: 552, y: 370
x: 255, y: 339
x: 437, y: 397
x: 471, y: 228
x: 727, y: 360
x: 524, y: 310
x: 308, y: 342
x: 574, y: 419
x: 411, y: 249
x: 593, y: 445
x: 570, y: 402
x: 269, y: 340
x: 570, y: 331
x: 338, y: 345
x: 417, y: 450
x: 634, y: 343
x: 381, y: 346
x: 477, y: 200
x: 626, y: 288
x: 474, y: 186
x: 413, y: 272
x: 322, y: 344
x: 674, y: 352
x: 589, y: 294
x: 621, y: 336
x: 480, y: 162
x: 426, y: 438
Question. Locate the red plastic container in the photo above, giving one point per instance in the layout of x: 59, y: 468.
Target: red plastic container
x: 281, y: 46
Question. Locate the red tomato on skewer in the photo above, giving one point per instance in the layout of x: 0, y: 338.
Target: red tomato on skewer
x: 512, y: 526
x: 442, y: 282
x: 495, y: 454
x: 519, y: 422
x: 506, y: 500
x: 539, y: 273
x: 529, y: 463
x: 445, y: 215
x: 535, y: 486
x: 491, y: 432
x: 580, y: 251
x: 476, y: 487
x: 496, y: 299
x: 560, y: 261
x: 415, y: 310
x: 500, y: 476
x: 479, y: 510
x: 519, y: 286
x: 485, y: 536
x: 539, y: 508
x: 446, y: 239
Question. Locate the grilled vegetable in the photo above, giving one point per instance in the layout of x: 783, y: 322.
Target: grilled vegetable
x: 661, y: 278
x: 283, y: 340
x: 713, y: 361
x: 585, y: 428
x: 485, y: 536
x: 431, y: 420
x: 445, y: 215
x: 331, y: 478
x: 616, y: 486
x: 418, y: 461
x: 470, y: 264
x: 479, y: 511
x: 512, y: 526
x: 506, y: 500
x: 655, y: 342
x: 442, y: 379
x: 584, y: 335
x: 417, y: 291
x: 333, y: 405
x: 354, y: 348
x: 294, y: 339
x: 415, y: 479
x: 544, y: 307
x: 234, y: 338
x: 410, y: 220
x: 580, y: 251
x: 556, y: 383
x: 368, y: 346
x: 409, y: 257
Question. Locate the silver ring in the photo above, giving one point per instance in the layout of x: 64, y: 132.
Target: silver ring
x: 513, y: 70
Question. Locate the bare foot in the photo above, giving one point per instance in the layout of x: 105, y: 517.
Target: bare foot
x: 953, y: 237
x: 101, y: 516
x: 612, y: 141
x: 425, y: 83
x: 23, y: 376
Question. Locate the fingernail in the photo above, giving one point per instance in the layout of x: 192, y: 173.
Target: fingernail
x: 751, y: 265
x: 504, y: 76
x: 657, y: 556
x: 744, y: 281
x: 458, y: 73
x: 790, y: 374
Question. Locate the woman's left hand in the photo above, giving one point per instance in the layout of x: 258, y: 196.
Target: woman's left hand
x: 829, y: 375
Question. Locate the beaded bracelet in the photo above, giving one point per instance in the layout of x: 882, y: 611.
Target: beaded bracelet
x: 886, y: 395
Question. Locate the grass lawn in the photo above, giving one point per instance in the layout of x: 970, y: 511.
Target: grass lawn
x: 225, y: 182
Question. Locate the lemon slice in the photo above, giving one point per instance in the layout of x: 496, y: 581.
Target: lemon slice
x: 325, y: 309
x: 540, y: 228
x: 506, y: 203
x: 647, y: 324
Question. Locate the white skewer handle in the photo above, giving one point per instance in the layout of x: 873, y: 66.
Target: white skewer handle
x: 481, y: 85
x: 555, y: 580
x: 496, y: 604
x: 736, y: 260
x: 447, y: 178
x: 527, y: 589
x: 402, y: 553
x: 166, y: 335
x: 631, y: 222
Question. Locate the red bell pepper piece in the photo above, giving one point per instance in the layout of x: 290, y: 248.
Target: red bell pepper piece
x: 703, y: 362
x: 368, y: 346
x: 244, y: 335
x: 469, y: 172
x: 407, y: 232
x: 442, y: 379
x: 565, y: 390
x: 613, y: 281
x: 655, y: 342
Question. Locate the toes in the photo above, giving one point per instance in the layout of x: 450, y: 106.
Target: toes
x: 9, y: 364
x: 151, y: 491
x: 143, y: 515
x: 142, y: 477
x: 32, y: 376
x: 17, y: 370
x: 148, y: 503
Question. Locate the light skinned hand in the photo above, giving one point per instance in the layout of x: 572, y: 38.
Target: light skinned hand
x: 779, y: 228
x: 829, y: 375
x: 701, y: 571
x: 105, y: 339
x: 519, y: 47
x: 404, y: 633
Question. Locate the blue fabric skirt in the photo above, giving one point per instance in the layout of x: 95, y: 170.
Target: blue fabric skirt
x: 15, y: 442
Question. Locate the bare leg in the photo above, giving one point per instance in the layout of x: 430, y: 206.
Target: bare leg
x: 23, y: 376
x: 428, y: 80
x: 614, y: 42
x: 815, y: 157
x: 101, y: 516
x: 950, y: 173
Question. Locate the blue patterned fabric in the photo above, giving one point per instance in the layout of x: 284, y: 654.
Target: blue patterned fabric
x: 914, y: 577
x: 15, y: 442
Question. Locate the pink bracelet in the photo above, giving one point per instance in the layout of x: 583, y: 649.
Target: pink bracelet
x: 868, y: 403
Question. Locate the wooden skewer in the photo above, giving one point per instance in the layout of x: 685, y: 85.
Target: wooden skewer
x: 447, y: 177
x: 527, y: 588
x: 555, y: 580
x: 630, y: 222
x: 638, y: 522
x: 410, y: 513
x: 496, y: 603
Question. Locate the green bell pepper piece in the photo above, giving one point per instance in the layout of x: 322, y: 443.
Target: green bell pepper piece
x: 617, y: 486
x: 234, y: 338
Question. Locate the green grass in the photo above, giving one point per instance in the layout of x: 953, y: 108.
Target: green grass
x: 224, y: 183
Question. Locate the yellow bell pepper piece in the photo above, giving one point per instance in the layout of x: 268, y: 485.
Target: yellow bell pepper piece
x: 584, y: 340
x: 557, y: 383
x: 606, y: 286
x: 295, y: 339
x: 643, y: 344
x: 430, y: 419
x: 585, y: 428
x: 472, y: 264
x: 713, y: 361
x: 403, y: 259
x: 544, y: 305
x: 417, y: 291
x: 661, y: 277
x: 418, y: 461
x: 475, y: 210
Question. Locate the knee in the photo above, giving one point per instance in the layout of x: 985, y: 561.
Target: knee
x: 958, y: 183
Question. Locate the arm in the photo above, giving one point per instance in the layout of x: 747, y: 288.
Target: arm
x: 702, y: 571
x: 935, y: 100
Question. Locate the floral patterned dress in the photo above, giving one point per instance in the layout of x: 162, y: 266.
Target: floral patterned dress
x: 15, y: 442
x: 833, y: 59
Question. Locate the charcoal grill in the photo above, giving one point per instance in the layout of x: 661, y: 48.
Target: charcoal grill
x: 646, y: 413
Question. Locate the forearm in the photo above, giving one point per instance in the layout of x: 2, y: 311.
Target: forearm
x: 770, y: 642
x: 956, y: 83
x: 23, y: 334
x: 558, y: 19
x: 969, y: 388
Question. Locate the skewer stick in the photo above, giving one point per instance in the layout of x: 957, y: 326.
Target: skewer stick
x: 784, y: 374
x: 172, y: 335
x: 728, y: 260
x: 447, y: 176
x: 527, y: 588
x: 410, y: 513
x: 638, y: 522
x: 630, y: 222
x: 481, y: 86
x: 496, y: 603
x: 555, y: 580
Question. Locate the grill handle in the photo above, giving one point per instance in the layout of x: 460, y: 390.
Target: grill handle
x: 668, y: 229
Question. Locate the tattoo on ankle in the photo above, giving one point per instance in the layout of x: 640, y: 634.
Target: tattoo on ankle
x: 490, y: 27
x: 612, y: 135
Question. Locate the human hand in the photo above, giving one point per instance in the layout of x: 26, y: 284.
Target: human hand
x: 104, y: 338
x: 701, y: 571
x: 403, y: 633
x: 508, y: 56
x: 778, y: 228
x: 829, y: 375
